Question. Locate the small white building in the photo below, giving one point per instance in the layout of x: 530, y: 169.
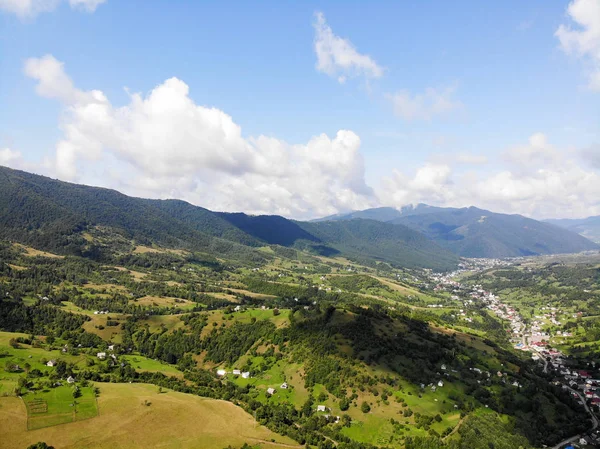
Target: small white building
x: 440, y: 383
x: 70, y: 380
x: 246, y: 374
x: 321, y: 408
x: 284, y: 386
x: 221, y: 372
x: 111, y: 347
x: 270, y: 391
x: 51, y: 363
x: 101, y: 355
x: 237, y: 372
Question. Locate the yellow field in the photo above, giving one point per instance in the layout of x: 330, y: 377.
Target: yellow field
x: 146, y: 249
x: 162, y: 301
x: 32, y: 252
x: 172, y: 420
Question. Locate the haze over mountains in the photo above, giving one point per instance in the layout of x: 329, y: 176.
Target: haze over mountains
x: 56, y: 216
x: 588, y: 227
x: 473, y: 232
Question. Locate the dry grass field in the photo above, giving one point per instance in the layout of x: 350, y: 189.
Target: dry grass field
x: 171, y: 421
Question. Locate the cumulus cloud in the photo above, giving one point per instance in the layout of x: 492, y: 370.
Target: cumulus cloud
x: 11, y: 158
x: 338, y: 58
x: 555, y: 186
x: 173, y: 147
x: 583, y: 40
x: 31, y: 8
x: 537, y: 152
x: 424, y: 106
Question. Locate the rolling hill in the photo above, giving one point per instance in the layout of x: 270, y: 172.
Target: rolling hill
x: 473, y: 232
x: 56, y: 216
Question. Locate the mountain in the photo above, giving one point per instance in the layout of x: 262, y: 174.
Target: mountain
x: 473, y: 232
x: 587, y: 227
x: 377, y: 213
x: 59, y: 216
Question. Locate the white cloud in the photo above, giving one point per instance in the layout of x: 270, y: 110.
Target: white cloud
x: 471, y: 159
x: 165, y: 145
x: 538, y: 152
x: 31, y: 8
x: 584, y: 41
x: 86, y: 5
x: 424, y: 106
x: 556, y: 186
x: 338, y: 58
x: 11, y: 158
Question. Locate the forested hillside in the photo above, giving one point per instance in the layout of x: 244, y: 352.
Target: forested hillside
x: 56, y: 216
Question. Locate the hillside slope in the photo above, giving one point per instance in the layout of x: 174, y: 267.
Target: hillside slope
x: 54, y: 215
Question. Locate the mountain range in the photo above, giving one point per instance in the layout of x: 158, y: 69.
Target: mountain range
x: 474, y: 232
x: 588, y: 227
x: 59, y: 216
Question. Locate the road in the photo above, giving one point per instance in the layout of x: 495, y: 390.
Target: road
x: 592, y: 415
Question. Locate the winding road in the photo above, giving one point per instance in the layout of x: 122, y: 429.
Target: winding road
x: 592, y: 415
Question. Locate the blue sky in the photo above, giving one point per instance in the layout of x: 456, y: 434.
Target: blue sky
x: 449, y: 103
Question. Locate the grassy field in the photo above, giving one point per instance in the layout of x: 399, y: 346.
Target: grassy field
x: 57, y: 406
x: 170, y: 421
x: 141, y: 363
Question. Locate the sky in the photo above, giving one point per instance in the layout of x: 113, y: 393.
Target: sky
x: 306, y: 109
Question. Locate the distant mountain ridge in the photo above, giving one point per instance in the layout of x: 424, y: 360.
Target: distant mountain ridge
x: 588, y: 227
x: 474, y: 232
x: 54, y: 215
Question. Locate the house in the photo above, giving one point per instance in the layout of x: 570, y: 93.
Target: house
x: 270, y: 391
x: 246, y: 374
x: 321, y: 408
x: 440, y: 383
x: 443, y: 367
x: 111, y: 347
x: 51, y: 363
x: 237, y: 372
x: 221, y: 372
x: 101, y: 355
x: 70, y: 380
x: 284, y: 386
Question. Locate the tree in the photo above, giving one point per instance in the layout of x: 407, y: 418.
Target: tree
x: 365, y: 407
x: 40, y: 445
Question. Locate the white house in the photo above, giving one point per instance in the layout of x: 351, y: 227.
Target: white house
x: 321, y: 408
x: 440, y: 383
x: 443, y: 367
x: 70, y: 380
x: 221, y: 372
x: 284, y: 386
x: 51, y: 363
x: 237, y: 372
x: 246, y: 374
x: 101, y: 355
x: 111, y: 347
x: 270, y: 391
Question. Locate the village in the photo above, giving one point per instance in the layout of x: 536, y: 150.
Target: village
x: 532, y: 337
